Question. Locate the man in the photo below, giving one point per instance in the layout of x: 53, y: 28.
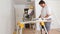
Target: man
x: 45, y: 13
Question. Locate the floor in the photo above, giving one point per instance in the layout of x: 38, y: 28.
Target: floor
x: 31, y: 31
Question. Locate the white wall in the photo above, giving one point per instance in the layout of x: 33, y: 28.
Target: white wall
x: 20, y: 1
x: 19, y: 11
x: 6, y: 17
x: 54, y: 5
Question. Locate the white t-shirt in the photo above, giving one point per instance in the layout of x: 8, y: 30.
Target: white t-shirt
x: 45, y: 11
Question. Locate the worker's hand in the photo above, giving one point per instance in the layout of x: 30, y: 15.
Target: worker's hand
x: 40, y: 16
x: 46, y: 16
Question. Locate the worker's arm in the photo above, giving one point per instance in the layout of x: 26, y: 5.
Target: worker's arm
x: 49, y: 13
x: 47, y: 16
x: 40, y: 16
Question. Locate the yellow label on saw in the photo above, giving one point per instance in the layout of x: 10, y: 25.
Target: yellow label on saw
x: 21, y: 25
x: 42, y: 23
